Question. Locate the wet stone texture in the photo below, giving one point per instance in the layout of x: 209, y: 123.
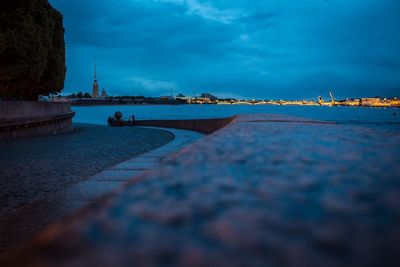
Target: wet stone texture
x: 256, y: 193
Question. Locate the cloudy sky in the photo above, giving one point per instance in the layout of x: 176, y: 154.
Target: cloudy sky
x: 239, y: 48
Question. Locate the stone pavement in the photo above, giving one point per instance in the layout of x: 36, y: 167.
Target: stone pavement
x: 109, y: 180
x: 33, y: 168
x: 264, y: 191
x: 25, y: 221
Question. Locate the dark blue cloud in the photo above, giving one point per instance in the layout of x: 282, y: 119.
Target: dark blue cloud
x: 256, y: 49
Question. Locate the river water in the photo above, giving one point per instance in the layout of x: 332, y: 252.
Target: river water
x: 372, y: 116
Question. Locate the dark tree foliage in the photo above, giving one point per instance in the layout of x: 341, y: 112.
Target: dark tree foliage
x: 32, y: 49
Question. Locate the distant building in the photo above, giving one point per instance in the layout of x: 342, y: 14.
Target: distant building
x: 371, y: 101
x: 395, y: 102
x: 352, y: 102
x: 166, y: 97
x: 103, y: 93
x: 95, y: 91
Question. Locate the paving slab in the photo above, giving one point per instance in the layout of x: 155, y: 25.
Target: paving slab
x: 115, y: 175
x: 136, y: 165
x: 88, y: 190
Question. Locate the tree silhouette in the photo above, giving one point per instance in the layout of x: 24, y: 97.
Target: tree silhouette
x: 32, y: 49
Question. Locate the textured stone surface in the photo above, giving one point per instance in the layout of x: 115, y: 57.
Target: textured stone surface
x: 40, y: 177
x: 20, y: 119
x: 206, y: 126
x: 21, y: 223
x: 256, y: 193
x: 34, y: 167
x: 26, y: 109
x: 115, y: 175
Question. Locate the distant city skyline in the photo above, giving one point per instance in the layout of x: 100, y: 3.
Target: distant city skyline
x: 242, y: 49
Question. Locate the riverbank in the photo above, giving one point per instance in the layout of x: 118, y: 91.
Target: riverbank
x: 100, y: 114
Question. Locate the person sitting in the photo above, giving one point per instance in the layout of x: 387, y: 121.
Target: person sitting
x: 132, y: 119
x: 117, y: 120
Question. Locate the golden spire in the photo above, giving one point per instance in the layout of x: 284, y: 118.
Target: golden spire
x: 95, y: 70
x: 95, y: 91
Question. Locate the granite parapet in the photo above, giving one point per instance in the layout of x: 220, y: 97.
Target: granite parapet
x: 263, y: 191
x: 29, y: 118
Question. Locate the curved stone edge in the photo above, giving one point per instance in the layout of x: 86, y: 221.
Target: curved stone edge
x: 105, y: 182
x: 206, y: 126
x: 96, y: 190
x: 28, y: 119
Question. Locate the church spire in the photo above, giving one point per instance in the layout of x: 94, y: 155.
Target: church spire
x: 95, y: 92
x: 95, y: 69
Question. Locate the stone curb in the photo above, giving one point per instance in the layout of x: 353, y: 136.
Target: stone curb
x: 107, y: 181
